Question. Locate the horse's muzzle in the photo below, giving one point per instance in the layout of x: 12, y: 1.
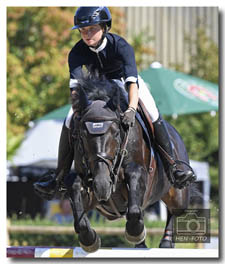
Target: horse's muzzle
x: 102, y: 188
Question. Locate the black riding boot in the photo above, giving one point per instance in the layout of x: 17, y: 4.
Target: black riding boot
x: 65, y: 159
x: 179, y: 178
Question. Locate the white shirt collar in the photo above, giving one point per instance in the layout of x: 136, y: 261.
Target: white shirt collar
x: 101, y: 47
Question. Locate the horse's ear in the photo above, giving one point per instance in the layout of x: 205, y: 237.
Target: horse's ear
x: 114, y: 102
x: 83, y: 99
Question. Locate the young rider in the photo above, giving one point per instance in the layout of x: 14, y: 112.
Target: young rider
x: 114, y: 58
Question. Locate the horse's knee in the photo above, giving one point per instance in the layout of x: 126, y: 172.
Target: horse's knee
x: 136, y: 178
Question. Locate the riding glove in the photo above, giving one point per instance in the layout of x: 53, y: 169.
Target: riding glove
x: 129, y: 117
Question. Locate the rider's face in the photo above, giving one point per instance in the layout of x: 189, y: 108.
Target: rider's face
x: 91, y: 35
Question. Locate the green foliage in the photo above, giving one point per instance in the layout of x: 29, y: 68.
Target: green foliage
x: 200, y: 132
x: 37, y: 75
x: 13, y: 144
x: 200, y: 135
x: 205, y: 62
x: 143, y: 53
x: 37, y: 60
x: 198, y: 143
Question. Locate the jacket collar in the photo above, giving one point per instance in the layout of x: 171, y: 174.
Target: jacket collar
x: 101, y: 47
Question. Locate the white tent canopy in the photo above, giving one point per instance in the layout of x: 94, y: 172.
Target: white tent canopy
x: 40, y: 145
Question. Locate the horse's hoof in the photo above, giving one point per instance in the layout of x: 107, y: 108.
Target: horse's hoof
x: 166, y: 244
x: 94, y: 247
x: 136, y: 239
x: 141, y: 245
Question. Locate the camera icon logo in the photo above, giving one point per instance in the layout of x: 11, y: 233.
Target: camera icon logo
x: 191, y: 224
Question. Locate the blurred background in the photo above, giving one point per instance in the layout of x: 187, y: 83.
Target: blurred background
x: 170, y: 43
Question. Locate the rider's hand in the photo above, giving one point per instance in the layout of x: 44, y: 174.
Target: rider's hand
x: 73, y: 92
x: 128, y: 117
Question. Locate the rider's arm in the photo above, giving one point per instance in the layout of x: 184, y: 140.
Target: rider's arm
x: 126, y: 53
x: 75, y: 61
x: 133, y: 95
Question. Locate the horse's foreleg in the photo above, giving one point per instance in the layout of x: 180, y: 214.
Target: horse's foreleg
x: 88, y: 238
x: 136, y: 180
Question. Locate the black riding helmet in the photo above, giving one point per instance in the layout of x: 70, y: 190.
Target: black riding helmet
x: 92, y: 15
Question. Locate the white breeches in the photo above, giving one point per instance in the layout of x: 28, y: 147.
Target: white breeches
x: 69, y: 117
x: 144, y: 95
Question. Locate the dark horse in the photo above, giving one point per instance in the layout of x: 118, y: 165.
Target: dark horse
x: 118, y: 173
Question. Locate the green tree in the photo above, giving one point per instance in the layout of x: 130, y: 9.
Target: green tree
x: 200, y: 131
x: 205, y: 63
x: 143, y: 53
x: 36, y: 63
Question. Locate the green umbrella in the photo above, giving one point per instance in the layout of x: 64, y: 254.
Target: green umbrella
x: 58, y: 114
x: 178, y: 93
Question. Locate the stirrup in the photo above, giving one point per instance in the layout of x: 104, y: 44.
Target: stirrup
x: 183, y: 180
x: 46, y: 178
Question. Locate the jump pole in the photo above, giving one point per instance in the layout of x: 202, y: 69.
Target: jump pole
x: 77, y: 252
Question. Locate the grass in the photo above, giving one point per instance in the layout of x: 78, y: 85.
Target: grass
x: 27, y: 220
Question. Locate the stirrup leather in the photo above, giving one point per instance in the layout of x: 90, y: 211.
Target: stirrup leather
x: 174, y: 170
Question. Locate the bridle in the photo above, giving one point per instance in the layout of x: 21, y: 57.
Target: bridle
x: 113, y: 163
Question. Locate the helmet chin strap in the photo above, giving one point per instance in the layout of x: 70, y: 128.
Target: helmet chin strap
x: 100, y: 42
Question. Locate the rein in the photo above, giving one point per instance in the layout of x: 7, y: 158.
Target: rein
x: 123, y: 153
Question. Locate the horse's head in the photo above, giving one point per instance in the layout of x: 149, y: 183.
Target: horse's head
x: 100, y: 135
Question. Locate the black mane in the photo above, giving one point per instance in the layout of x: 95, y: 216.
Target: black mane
x: 100, y: 89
